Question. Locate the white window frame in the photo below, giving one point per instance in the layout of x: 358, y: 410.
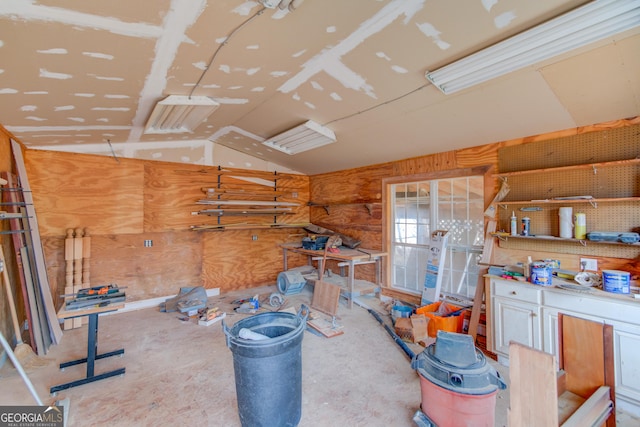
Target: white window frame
x: 461, y: 276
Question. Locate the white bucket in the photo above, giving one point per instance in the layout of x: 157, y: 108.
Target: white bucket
x: 566, y: 222
x: 616, y: 281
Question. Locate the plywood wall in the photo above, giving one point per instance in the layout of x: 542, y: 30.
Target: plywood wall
x: 125, y: 202
x: 366, y: 184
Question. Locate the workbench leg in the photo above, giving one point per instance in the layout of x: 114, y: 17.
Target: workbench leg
x: 351, y: 281
x: 92, y: 356
x: 92, y: 343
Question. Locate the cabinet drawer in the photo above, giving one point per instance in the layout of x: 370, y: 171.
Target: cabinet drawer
x: 517, y: 291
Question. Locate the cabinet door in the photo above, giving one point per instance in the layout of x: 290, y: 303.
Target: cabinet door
x: 515, y: 321
x: 550, y: 331
x: 626, y: 349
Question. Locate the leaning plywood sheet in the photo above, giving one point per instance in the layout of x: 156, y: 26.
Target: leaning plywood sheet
x: 326, y: 297
x: 40, y: 265
x: 533, y: 379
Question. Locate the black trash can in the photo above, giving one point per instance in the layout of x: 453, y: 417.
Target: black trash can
x: 268, y: 372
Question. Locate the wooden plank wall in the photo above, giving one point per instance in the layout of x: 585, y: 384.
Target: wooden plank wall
x: 125, y: 202
x: 367, y: 184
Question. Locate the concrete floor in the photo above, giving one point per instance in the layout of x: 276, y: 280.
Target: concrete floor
x: 178, y: 372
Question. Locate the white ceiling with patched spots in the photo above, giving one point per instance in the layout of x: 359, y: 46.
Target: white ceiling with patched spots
x: 84, y: 76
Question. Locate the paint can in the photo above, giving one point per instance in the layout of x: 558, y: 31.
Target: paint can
x: 526, y: 224
x: 616, y: 281
x: 541, y: 273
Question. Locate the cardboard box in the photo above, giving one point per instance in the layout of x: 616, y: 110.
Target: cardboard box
x: 441, y: 323
x: 413, y: 329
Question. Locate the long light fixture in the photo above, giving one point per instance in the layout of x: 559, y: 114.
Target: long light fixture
x: 180, y: 114
x: 579, y: 27
x: 304, y: 137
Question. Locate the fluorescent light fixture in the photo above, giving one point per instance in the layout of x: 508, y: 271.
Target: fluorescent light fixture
x: 304, y: 137
x: 577, y: 28
x: 179, y: 114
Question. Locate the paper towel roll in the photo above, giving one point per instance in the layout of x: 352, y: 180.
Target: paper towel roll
x: 566, y: 222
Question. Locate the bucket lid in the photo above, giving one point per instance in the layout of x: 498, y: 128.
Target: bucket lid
x: 454, y: 363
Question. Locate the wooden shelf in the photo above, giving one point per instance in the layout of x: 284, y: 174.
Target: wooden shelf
x: 583, y: 242
x: 594, y: 166
x: 245, y: 226
x: 593, y: 202
x: 327, y: 206
x: 243, y: 212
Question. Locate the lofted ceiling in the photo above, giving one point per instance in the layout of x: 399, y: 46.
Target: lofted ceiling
x: 85, y: 76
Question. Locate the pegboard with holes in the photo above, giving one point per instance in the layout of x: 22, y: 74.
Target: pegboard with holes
x: 591, y: 147
x: 601, y: 166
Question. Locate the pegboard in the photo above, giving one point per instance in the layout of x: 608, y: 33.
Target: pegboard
x: 619, y: 216
x: 592, y: 147
x: 567, y: 247
x: 615, y: 189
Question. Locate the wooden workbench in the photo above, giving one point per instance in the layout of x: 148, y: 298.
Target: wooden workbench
x: 346, y: 257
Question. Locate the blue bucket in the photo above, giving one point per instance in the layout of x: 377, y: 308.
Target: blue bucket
x: 616, y: 281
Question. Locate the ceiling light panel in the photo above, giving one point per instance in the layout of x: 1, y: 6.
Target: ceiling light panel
x: 180, y: 114
x: 307, y: 136
x: 579, y: 27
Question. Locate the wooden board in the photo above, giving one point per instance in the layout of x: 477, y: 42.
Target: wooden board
x: 324, y: 324
x: 326, y: 297
x: 40, y: 264
x: 533, y: 395
x: 584, y: 367
x: 86, y: 191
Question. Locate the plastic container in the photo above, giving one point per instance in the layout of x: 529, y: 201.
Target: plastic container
x: 526, y: 226
x: 616, y: 281
x: 514, y: 224
x: 540, y: 274
x: 580, y: 227
x: 445, y: 322
x: 400, y: 311
x: 268, y: 372
x: 458, y: 387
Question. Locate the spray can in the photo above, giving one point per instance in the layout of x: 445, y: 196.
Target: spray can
x: 526, y: 224
x: 514, y: 224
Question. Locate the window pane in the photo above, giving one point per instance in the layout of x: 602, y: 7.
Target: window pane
x: 459, y: 208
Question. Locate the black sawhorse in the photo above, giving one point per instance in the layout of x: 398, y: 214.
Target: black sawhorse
x: 92, y: 348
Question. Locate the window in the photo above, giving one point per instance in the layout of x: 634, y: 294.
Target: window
x: 418, y: 208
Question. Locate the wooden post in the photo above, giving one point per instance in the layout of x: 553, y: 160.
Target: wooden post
x: 86, y: 255
x: 68, y: 286
x: 77, y: 269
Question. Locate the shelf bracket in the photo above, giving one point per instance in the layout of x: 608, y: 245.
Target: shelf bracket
x: 594, y: 204
x: 327, y: 209
x: 595, y: 169
x: 503, y: 206
x: 583, y: 243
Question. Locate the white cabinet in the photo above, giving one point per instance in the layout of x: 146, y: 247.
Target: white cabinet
x: 529, y: 314
x: 516, y: 316
x: 626, y: 345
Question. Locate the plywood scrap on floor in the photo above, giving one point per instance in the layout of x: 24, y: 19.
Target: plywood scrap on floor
x: 324, y: 324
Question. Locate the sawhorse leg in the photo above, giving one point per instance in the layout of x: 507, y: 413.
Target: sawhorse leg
x: 92, y: 356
